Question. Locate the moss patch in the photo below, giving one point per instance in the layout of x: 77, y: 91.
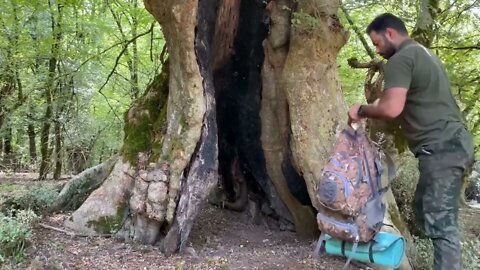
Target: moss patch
x: 146, y: 118
x: 110, y: 224
x: 304, y: 22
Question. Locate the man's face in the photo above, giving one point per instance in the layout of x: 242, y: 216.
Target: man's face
x: 384, y: 46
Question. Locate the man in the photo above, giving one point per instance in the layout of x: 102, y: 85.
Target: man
x: 417, y: 89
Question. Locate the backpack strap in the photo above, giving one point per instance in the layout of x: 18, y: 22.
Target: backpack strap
x: 392, y: 173
x: 354, y: 250
x: 369, y: 174
x: 320, y: 247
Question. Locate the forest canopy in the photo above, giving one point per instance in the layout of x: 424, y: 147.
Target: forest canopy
x: 70, y: 69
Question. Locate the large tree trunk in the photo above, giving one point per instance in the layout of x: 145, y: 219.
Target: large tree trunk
x: 169, y: 162
x: 272, y: 90
x: 310, y: 79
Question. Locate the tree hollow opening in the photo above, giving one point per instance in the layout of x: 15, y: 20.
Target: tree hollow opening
x: 237, y: 58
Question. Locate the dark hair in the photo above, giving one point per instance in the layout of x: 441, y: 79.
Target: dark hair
x: 387, y: 20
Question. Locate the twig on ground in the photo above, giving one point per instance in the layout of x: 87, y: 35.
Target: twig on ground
x: 45, y: 226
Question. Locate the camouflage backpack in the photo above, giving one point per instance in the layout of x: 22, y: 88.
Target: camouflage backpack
x: 350, y: 190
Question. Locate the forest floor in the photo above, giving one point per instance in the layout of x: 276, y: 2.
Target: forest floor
x: 220, y: 239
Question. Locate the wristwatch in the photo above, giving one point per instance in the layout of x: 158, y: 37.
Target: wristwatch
x: 360, y: 112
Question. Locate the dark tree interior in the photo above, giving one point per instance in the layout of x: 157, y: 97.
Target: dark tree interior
x: 236, y: 60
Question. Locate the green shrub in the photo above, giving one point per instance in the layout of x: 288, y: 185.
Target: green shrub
x: 14, y: 232
x: 37, y: 198
x: 470, y: 249
x: 421, y: 253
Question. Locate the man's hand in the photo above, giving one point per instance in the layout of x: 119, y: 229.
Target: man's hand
x: 353, y: 114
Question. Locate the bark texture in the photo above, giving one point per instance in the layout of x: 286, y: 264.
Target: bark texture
x: 275, y: 119
x: 317, y: 109
x: 74, y: 193
x: 186, y: 102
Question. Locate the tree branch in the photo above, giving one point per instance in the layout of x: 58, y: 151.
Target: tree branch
x: 472, y: 47
x: 377, y: 65
x: 45, y: 226
x: 117, y: 61
x: 163, y: 53
x: 358, y: 32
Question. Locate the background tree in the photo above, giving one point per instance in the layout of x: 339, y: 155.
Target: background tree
x: 88, y: 89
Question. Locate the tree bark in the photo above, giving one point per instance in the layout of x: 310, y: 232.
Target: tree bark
x: 74, y: 193
x: 275, y: 118
x: 8, y: 155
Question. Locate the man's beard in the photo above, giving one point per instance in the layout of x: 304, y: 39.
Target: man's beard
x: 390, y: 49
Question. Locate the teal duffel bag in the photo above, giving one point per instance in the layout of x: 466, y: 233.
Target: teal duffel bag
x: 386, y: 249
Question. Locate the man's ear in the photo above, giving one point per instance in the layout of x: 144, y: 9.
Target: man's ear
x: 390, y: 33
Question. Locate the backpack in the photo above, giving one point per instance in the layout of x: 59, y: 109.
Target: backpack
x: 350, y: 190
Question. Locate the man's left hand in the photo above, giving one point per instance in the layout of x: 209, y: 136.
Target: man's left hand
x: 353, y: 114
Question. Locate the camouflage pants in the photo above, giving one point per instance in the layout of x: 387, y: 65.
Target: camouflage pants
x: 437, y: 195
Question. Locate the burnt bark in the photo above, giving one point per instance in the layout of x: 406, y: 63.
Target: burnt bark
x: 201, y: 175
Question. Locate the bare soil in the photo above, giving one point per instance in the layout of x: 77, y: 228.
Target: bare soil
x: 220, y: 239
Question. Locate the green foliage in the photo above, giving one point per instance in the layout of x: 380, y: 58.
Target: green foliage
x: 14, y: 233
x: 104, y: 52
x: 470, y: 251
x: 422, y: 253
x: 403, y: 187
x: 37, y: 199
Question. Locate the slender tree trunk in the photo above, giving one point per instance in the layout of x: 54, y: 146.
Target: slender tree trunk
x: 45, y: 133
x: 58, y: 150
x: 132, y: 60
x: 32, y: 149
x: 135, y: 56
x: 56, y: 20
x: 8, y: 155
x: 11, y: 74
